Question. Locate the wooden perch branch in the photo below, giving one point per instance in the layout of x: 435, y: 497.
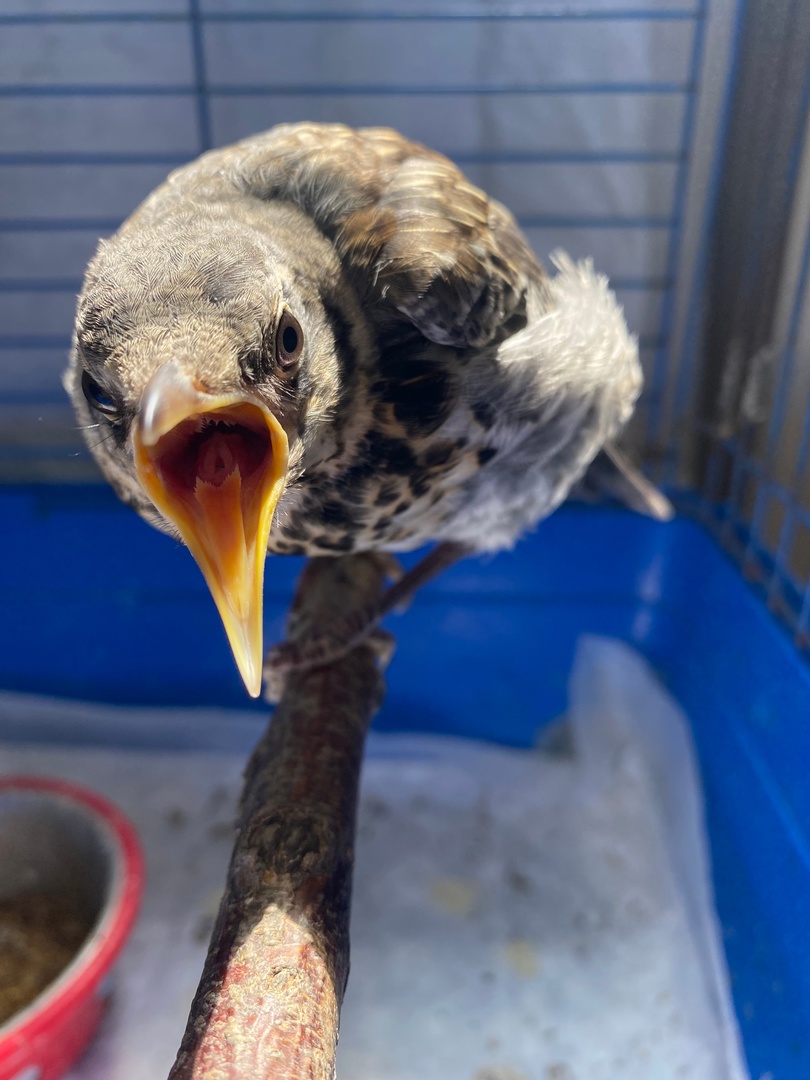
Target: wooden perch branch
x: 268, y: 1002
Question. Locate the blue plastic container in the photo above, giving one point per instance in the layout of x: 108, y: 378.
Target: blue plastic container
x: 96, y: 605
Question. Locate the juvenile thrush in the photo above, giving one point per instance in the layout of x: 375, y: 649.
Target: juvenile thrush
x: 322, y: 340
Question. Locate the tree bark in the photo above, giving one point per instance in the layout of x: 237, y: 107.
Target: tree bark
x: 268, y: 1002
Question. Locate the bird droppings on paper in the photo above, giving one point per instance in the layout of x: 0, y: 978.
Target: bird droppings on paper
x: 499, y: 1072
x: 522, y: 958
x: 454, y: 895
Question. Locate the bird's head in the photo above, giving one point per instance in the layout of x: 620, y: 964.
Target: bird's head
x: 202, y: 370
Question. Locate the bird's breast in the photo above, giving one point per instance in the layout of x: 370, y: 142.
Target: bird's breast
x: 390, y: 489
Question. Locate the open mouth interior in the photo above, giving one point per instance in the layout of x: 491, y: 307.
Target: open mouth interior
x: 209, y: 450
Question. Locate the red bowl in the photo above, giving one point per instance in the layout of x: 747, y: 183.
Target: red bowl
x: 57, y: 836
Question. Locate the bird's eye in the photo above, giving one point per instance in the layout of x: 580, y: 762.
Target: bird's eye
x: 289, y: 342
x: 98, y: 398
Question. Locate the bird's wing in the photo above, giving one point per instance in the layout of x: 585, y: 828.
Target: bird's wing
x: 414, y: 235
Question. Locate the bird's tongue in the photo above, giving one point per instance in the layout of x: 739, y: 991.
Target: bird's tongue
x: 218, y: 494
x: 218, y: 476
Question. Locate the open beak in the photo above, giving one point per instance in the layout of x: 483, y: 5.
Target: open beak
x: 215, y: 465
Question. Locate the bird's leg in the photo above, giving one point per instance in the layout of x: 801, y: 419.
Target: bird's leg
x: 361, y: 623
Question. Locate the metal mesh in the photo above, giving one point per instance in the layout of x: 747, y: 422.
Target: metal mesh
x: 744, y: 421
x: 581, y: 117
x: 663, y: 137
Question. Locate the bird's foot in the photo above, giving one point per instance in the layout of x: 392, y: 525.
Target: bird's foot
x: 358, y: 626
x: 333, y: 644
x: 290, y: 656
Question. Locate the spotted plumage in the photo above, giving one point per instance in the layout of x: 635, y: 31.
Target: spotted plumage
x: 437, y: 384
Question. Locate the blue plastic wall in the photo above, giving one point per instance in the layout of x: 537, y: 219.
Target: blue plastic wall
x: 97, y: 605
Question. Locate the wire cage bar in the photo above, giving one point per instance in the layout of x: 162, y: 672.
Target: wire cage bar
x: 616, y: 130
x: 583, y: 117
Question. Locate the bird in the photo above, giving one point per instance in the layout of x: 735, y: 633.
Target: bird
x: 322, y: 340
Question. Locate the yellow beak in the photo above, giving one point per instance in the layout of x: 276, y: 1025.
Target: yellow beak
x: 215, y: 465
